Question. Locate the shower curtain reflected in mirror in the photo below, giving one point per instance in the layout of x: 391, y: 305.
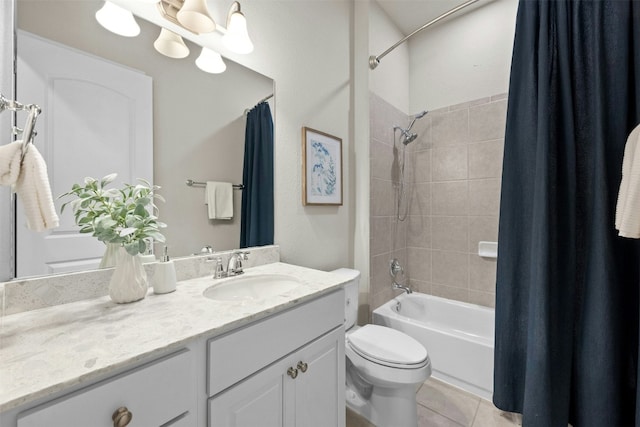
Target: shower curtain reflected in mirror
x: 567, y: 285
x: 256, y: 228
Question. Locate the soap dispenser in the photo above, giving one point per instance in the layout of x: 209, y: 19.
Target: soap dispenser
x: 164, y: 280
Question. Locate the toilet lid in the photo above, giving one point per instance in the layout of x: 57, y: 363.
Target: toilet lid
x: 383, y: 344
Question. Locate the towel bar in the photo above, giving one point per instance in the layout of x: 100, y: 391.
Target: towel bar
x: 192, y: 183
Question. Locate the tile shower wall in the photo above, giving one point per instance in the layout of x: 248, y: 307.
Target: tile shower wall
x: 453, y: 173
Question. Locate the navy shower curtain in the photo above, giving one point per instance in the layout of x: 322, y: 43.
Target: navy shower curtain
x: 256, y: 228
x: 567, y: 285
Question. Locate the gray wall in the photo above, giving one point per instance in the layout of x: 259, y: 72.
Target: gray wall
x: 6, y: 87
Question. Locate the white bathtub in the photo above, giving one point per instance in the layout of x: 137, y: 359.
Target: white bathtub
x: 458, y: 337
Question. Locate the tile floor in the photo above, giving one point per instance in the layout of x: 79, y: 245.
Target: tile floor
x: 442, y: 405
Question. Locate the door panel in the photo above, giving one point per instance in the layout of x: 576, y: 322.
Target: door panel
x: 96, y: 119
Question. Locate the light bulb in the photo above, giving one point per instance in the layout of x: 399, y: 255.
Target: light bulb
x: 118, y: 20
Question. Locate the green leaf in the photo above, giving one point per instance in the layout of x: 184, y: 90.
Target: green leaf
x: 132, y: 248
x: 156, y: 235
x: 141, y: 211
x: 84, y: 220
x: 108, y: 179
x: 127, y: 231
x: 85, y: 230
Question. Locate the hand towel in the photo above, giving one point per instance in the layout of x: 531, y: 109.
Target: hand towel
x: 10, y: 156
x: 628, y: 206
x: 34, y: 191
x: 219, y: 197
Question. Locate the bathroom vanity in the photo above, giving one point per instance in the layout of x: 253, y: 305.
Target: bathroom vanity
x: 181, y: 359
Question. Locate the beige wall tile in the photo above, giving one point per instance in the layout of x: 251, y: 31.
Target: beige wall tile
x: 485, y: 159
x: 486, y: 299
x: 484, y: 197
x: 419, y: 199
x: 420, y: 286
x: 419, y: 264
x: 450, y: 268
x: 499, y: 96
x: 450, y: 128
x: 382, y: 198
x: 449, y: 198
x: 418, y: 231
x: 449, y: 292
x: 423, y: 128
x: 379, y: 268
x: 381, y: 160
x: 398, y: 233
x: 482, y: 273
x: 487, y: 121
x: 450, y: 233
x: 420, y: 162
x: 385, y: 294
x: 482, y: 228
x: 381, y: 235
x: 450, y: 163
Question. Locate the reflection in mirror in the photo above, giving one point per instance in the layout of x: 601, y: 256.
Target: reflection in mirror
x: 197, y: 128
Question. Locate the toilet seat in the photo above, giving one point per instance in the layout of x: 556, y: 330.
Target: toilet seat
x: 387, y: 347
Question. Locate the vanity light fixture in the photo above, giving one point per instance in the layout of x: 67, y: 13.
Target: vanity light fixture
x: 170, y: 44
x: 237, y: 38
x: 210, y: 61
x: 194, y: 16
x: 118, y: 20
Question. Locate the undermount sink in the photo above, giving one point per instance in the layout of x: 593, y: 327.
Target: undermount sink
x: 244, y: 288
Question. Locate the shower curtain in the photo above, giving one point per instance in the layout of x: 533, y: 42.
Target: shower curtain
x: 256, y: 227
x: 567, y: 286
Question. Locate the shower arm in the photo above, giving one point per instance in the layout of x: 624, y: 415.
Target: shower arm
x: 374, y: 60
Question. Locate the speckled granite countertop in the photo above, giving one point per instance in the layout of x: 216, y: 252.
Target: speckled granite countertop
x: 47, y: 350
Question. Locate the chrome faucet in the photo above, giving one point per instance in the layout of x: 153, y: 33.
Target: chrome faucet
x: 234, y: 266
x: 397, y: 285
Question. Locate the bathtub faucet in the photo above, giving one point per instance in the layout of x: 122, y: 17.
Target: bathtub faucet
x: 397, y: 285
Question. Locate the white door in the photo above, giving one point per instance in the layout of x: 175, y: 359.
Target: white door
x: 97, y: 118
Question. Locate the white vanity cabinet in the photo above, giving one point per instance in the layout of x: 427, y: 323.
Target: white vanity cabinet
x: 161, y: 393
x: 296, y: 365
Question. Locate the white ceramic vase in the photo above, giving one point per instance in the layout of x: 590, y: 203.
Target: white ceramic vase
x: 110, y: 257
x: 129, y: 280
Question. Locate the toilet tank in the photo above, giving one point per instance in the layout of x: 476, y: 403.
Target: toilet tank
x: 351, y: 289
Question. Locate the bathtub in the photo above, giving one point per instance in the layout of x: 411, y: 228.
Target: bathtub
x: 458, y: 337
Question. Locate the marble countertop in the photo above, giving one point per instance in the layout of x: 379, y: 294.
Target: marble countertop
x: 47, y: 350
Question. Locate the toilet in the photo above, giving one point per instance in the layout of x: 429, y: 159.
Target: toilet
x: 384, y: 366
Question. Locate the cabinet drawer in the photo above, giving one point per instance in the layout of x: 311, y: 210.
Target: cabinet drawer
x: 242, y: 352
x: 156, y: 394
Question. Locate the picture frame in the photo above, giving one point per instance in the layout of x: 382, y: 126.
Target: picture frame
x: 321, y: 168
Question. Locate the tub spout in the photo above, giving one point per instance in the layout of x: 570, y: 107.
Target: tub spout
x: 397, y: 285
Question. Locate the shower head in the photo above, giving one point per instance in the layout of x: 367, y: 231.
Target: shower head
x: 420, y: 115
x: 409, y: 138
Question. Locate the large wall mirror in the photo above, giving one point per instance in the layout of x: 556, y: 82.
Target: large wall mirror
x: 197, y: 119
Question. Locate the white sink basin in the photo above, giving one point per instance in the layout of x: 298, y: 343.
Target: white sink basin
x: 244, y: 288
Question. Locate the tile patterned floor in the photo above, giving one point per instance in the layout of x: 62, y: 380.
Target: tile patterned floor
x: 441, y: 405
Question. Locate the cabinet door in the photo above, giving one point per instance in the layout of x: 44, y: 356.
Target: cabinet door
x: 257, y: 401
x: 319, y: 392
x: 282, y: 395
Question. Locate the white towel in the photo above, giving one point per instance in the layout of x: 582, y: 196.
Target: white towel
x: 34, y: 191
x: 219, y: 197
x: 628, y: 207
x: 10, y: 155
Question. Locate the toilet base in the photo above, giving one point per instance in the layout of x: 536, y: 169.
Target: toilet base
x: 387, y: 407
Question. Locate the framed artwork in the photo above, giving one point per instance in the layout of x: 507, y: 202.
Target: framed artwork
x: 321, y: 168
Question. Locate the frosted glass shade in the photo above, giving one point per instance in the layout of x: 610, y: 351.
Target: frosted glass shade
x: 210, y: 61
x: 170, y: 44
x: 194, y: 16
x: 118, y: 20
x: 237, y: 38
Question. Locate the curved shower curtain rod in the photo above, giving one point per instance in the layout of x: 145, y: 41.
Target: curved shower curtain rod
x: 374, y: 60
